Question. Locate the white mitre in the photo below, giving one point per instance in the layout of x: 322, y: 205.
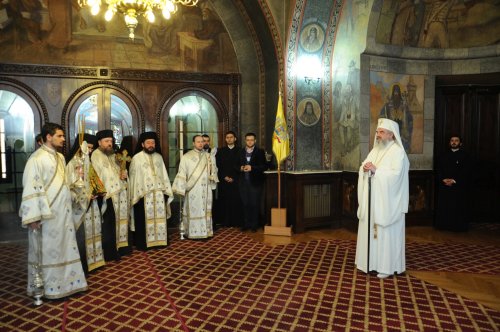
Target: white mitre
x: 392, y: 126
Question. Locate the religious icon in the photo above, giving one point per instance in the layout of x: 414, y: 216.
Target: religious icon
x: 312, y: 37
x: 400, y: 98
x: 308, y: 112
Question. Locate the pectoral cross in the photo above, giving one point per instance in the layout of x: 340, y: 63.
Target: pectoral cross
x: 123, y: 159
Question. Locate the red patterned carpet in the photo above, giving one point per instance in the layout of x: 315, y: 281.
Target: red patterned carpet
x: 445, y: 257
x: 233, y: 283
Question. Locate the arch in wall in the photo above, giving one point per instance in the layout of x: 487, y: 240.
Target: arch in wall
x: 104, y: 91
x: 163, y: 118
x: 249, y: 58
x: 38, y: 107
x: 12, y: 162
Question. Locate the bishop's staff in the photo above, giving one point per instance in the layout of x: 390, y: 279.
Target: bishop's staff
x: 369, y: 219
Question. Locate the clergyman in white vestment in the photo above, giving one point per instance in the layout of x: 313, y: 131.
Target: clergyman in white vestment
x: 86, y: 212
x: 195, y: 180
x: 149, y: 184
x: 387, y: 165
x: 46, y: 208
x: 116, y: 212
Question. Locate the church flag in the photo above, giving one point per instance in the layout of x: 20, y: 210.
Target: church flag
x: 281, y: 144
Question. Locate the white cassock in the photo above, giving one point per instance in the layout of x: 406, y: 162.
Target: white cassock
x: 46, y: 197
x: 195, y: 180
x: 109, y: 172
x: 86, y: 211
x: 389, y: 203
x: 148, y: 179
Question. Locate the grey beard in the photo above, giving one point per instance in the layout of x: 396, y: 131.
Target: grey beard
x: 382, y: 144
x: 108, y: 152
x: 149, y: 151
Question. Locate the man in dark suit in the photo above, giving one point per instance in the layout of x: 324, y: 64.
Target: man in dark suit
x: 252, y: 166
x: 228, y: 171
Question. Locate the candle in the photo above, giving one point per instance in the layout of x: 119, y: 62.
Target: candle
x: 181, y: 137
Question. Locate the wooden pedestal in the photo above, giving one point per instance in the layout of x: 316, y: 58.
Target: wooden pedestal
x: 278, y: 223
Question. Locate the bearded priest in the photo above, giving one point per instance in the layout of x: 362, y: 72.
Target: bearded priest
x: 383, y: 203
x: 150, y: 194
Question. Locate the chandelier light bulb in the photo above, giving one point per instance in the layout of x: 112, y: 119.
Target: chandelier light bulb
x: 131, y: 19
x: 169, y: 5
x: 109, y: 15
x: 166, y: 13
x: 94, y: 10
x: 150, y: 16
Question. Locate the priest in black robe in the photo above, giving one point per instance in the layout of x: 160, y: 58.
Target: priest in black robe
x: 228, y: 205
x: 454, y: 173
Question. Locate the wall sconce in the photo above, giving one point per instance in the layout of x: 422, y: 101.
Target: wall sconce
x: 311, y: 80
x: 309, y: 67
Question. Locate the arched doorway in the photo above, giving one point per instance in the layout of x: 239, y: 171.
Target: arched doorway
x: 103, y: 106
x: 189, y: 113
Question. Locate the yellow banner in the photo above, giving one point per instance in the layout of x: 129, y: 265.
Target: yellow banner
x: 281, y: 143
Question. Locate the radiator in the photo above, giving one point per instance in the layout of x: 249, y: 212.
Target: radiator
x: 317, y: 200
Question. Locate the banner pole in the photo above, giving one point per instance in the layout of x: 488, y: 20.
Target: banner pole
x: 279, y: 186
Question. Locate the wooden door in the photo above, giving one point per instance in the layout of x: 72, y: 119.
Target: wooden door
x: 473, y: 112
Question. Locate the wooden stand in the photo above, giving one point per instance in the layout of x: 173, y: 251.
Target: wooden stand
x: 278, y: 223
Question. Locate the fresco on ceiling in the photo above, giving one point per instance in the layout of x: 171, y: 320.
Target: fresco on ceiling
x: 399, y: 98
x: 349, y: 43
x: 439, y: 23
x: 62, y: 33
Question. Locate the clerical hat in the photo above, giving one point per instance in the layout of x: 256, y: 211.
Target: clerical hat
x: 106, y: 133
x: 91, y: 139
x: 148, y: 135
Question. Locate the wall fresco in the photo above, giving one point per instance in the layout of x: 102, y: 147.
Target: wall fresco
x: 349, y: 44
x: 399, y: 98
x: 439, y: 23
x: 62, y: 33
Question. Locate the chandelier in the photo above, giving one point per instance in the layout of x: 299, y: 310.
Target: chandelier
x: 131, y: 9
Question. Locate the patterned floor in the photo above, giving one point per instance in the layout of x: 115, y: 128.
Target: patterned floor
x: 233, y: 283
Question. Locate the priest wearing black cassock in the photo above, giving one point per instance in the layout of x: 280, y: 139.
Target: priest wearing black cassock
x: 229, y: 201
x: 150, y: 194
x: 454, y: 181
